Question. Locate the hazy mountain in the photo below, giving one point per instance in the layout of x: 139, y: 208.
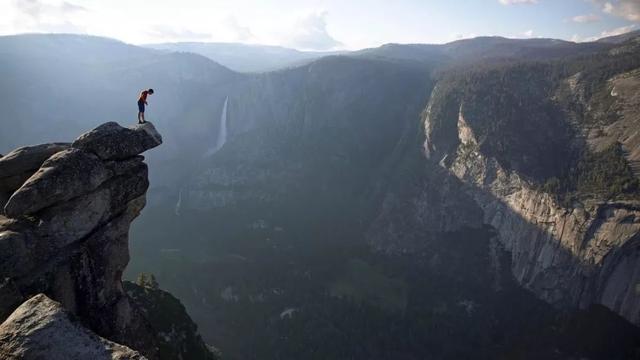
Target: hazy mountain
x: 245, y: 57
x: 483, y: 49
x: 56, y: 86
x: 619, y: 39
x: 409, y: 201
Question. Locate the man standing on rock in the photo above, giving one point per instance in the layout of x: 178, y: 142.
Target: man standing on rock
x: 142, y: 101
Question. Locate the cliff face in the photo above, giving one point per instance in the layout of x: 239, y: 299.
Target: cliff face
x: 569, y: 253
x: 570, y: 256
x: 64, y: 229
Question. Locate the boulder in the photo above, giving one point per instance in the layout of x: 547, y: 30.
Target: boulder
x: 65, y: 175
x: 17, y: 166
x: 41, y: 328
x: 111, y: 141
x: 72, y: 220
x: 28, y: 158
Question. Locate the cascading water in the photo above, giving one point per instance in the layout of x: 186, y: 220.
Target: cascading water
x: 222, y: 132
x: 179, y: 204
x: 220, y: 141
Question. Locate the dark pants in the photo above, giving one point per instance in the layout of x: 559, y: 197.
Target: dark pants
x: 141, y: 106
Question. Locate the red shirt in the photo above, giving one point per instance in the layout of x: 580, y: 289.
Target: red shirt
x: 143, y: 96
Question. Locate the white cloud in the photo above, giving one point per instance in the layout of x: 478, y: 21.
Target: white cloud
x: 617, y: 31
x: 38, y: 9
x: 310, y: 33
x: 586, y: 18
x: 607, y: 33
x: 43, y: 16
x: 627, y: 9
x: 461, y: 36
x: 239, y: 32
x: 528, y: 33
x: 47, y: 10
x: 517, y: 2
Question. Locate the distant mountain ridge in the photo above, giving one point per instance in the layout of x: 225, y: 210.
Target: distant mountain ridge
x: 246, y: 57
x: 322, y: 193
x: 619, y: 39
x: 263, y: 58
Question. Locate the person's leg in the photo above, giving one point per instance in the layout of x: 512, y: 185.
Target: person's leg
x: 140, y: 112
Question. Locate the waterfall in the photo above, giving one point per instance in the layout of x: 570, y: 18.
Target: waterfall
x: 222, y: 132
x: 179, y: 204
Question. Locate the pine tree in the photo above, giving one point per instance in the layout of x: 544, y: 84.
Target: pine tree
x: 142, y: 280
x: 153, y: 283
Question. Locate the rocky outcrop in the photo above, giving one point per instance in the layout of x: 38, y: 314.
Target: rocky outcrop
x: 418, y: 212
x: 625, y: 92
x: 177, y: 333
x: 59, y: 179
x: 110, y: 141
x: 42, y: 329
x: 64, y: 232
x: 17, y: 166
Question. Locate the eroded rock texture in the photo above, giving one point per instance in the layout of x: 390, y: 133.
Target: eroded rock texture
x: 569, y: 253
x: 42, y: 329
x: 64, y: 230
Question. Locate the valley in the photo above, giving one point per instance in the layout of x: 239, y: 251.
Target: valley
x: 474, y: 199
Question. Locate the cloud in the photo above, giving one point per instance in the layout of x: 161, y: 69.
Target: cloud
x: 583, y: 19
x: 239, y: 32
x: 607, y: 33
x: 43, y: 16
x: 310, y: 33
x: 626, y: 9
x: 576, y: 38
x: 37, y: 9
x: 69, y: 7
x: 171, y: 33
x: 462, y: 36
x: 617, y: 31
x: 527, y: 34
x: 518, y: 2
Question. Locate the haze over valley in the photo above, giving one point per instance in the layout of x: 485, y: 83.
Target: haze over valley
x: 470, y: 199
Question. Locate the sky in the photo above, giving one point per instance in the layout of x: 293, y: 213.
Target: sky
x: 321, y: 24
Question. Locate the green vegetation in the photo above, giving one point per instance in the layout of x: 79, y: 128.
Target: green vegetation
x: 304, y: 284
x: 524, y: 114
x: 450, y: 309
x: 177, y: 334
x: 605, y: 175
x: 147, y: 281
x: 365, y: 284
x: 510, y: 109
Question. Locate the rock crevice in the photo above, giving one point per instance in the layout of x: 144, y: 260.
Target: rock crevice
x: 64, y: 230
